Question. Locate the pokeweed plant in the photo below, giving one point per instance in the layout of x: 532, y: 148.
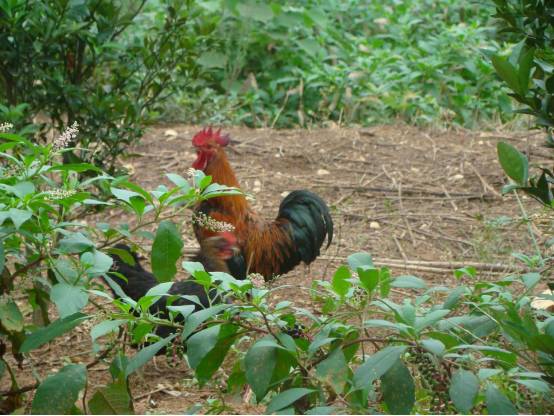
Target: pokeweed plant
x: 374, y: 343
x: 50, y: 255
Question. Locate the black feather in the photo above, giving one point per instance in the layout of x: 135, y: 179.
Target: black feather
x: 139, y: 281
x: 309, y: 223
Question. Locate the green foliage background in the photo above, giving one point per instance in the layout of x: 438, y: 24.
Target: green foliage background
x: 299, y: 63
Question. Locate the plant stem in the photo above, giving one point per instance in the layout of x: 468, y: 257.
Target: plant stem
x: 529, y: 228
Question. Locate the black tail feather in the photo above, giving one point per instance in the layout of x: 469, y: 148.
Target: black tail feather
x: 309, y: 224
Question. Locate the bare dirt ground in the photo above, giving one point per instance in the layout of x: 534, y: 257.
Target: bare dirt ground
x: 421, y: 202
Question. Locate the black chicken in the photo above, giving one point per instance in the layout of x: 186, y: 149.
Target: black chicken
x: 213, y: 254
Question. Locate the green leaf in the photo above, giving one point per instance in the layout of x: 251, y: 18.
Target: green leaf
x: 43, y: 335
x: 22, y: 189
x: 166, y: 250
x: 179, y: 180
x: 259, y: 365
x: 287, y: 398
x: 508, y: 73
x: 197, y: 318
x: 497, y: 403
x: 430, y: 319
x: 340, y: 281
x: 369, y: 278
x: 125, y: 195
x: 434, y: 346
x: 146, y: 354
x: 207, y: 349
x: 464, y: 388
x: 19, y: 216
x: 68, y: 299
x: 75, y: 167
x: 409, y: 282
x: 334, y: 371
x: 384, y: 282
x: 465, y: 271
x: 215, y: 190
x: 105, y: 327
x: 58, y: 393
x: 454, y: 297
x: 98, y: 263
x: 10, y: 315
x: 525, y: 63
x: 530, y: 280
x: 538, y: 386
x: 111, y: 400
x: 123, y: 255
x: 514, y: 163
x: 398, y: 389
x: 360, y: 260
x: 75, y: 243
x: 377, y: 365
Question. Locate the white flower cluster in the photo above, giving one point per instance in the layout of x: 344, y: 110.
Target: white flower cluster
x: 257, y: 280
x: 4, y: 127
x: 205, y: 221
x: 66, y: 137
x: 55, y: 194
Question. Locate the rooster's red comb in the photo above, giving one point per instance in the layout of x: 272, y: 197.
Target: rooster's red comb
x: 229, y: 237
x: 206, y: 135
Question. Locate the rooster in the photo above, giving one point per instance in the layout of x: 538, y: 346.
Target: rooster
x: 213, y: 254
x: 268, y: 248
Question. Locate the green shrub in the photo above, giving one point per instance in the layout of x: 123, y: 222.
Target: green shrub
x: 295, y: 63
x: 529, y: 69
x: 51, y: 256
x: 529, y: 73
x: 107, y: 65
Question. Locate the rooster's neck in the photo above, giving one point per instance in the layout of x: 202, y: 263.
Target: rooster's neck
x: 222, y: 173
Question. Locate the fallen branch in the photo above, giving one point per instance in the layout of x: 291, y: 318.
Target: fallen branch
x: 440, y: 266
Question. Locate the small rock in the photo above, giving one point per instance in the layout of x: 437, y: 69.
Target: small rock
x: 543, y: 304
x: 171, y: 133
x: 257, y: 186
x: 129, y: 168
x: 374, y: 225
x: 457, y: 177
x: 381, y: 21
x: 322, y: 172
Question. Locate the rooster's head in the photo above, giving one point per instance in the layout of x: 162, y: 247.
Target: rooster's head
x: 224, y: 243
x: 207, y: 143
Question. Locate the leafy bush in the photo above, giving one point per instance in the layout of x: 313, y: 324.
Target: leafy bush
x: 529, y: 73
x: 106, y: 65
x: 49, y: 255
x: 529, y: 69
x: 297, y: 63
x: 479, y: 346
